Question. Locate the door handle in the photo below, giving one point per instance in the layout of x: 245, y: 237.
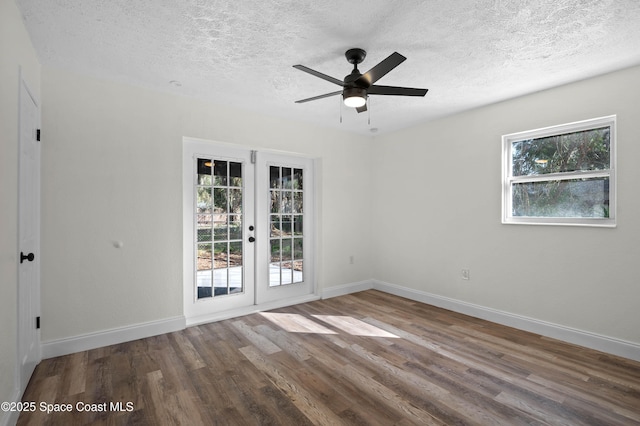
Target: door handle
x: 28, y: 257
x: 251, y: 239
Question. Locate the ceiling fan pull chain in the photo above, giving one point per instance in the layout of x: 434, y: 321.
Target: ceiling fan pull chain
x: 340, y: 111
x: 369, y: 110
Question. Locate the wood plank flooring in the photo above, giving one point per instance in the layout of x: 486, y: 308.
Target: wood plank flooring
x: 364, y: 359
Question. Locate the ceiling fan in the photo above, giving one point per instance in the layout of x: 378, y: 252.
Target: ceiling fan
x: 356, y: 87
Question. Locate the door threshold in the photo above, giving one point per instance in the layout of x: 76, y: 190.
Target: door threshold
x: 247, y: 310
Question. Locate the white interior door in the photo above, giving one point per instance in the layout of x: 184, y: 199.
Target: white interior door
x: 29, y: 353
x: 248, y: 230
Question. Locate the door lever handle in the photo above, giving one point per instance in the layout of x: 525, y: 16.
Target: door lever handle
x: 28, y: 257
x: 251, y: 239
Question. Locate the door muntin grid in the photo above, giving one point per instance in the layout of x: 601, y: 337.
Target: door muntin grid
x: 286, y: 218
x: 219, y: 218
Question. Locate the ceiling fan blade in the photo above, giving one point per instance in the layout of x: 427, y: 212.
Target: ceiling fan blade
x: 319, y: 74
x: 326, y: 95
x: 397, y: 91
x: 380, y: 70
x: 363, y: 108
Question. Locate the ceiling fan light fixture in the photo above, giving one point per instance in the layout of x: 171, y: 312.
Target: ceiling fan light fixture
x: 354, y: 97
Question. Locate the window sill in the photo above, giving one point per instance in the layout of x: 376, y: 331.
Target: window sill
x: 555, y: 221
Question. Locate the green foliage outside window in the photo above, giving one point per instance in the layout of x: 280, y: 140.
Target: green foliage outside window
x: 580, y: 151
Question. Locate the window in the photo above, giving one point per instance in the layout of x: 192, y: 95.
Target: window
x: 561, y: 175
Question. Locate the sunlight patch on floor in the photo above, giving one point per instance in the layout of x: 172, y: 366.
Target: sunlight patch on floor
x: 354, y: 326
x: 295, y: 323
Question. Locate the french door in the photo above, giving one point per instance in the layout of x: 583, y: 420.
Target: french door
x: 248, y: 230
x: 286, y: 203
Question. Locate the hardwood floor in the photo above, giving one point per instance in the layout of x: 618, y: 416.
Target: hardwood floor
x: 368, y: 358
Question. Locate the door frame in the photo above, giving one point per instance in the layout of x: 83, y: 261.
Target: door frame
x: 187, y: 251
x: 24, y: 370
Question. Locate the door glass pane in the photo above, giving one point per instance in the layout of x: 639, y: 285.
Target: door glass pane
x: 204, y: 270
x: 204, y: 171
x: 275, y: 250
x: 235, y: 267
x: 235, y: 227
x: 275, y: 201
x: 275, y: 225
x: 274, y: 274
x: 220, y: 282
x: 286, y: 178
x: 286, y: 248
x: 297, y: 248
x: 220, y: 228
x: 205, y: 203
x: 219, y: 217
x: 235, y: 280
x: 204, y: 234
x: 297, y: 202
x: 287, y: 273
x: 274, y: 265
x: 274, y: 177
x: 220, y: 255
x: 204, y: 257
x: 286, y: 226
x: 297, y: 271
x: 235, y: 201
x: 221, y: 266
x: 220, y: 173
x: 235, y: 174
x: 235, y: 254
x: 297, y: 225
x: 297, y: 179
x: 220, y: 200
x: 287, y: 201
x: 203, y: 226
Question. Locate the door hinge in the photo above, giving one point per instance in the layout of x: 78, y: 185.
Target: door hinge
x: 253, y: 157
x: 38, y: 135
x: 38, y: 323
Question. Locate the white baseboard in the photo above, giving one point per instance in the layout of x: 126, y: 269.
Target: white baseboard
x: 8, y: 418
x: 341, y: 290
x: 587, y: 339
x: 54, y: 348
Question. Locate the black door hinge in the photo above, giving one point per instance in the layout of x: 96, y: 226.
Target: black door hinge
x: 38, y: 323
x: 38, y: 135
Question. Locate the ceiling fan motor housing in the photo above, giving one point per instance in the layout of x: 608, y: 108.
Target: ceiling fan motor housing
x: 354, y: 88
x: 351, y: 92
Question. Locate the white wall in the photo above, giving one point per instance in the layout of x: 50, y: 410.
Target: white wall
x: 436, y: 209
x: 16, y: 52
x: 111, y: 167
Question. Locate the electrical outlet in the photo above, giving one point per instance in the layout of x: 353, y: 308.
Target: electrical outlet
x: 464, y: 273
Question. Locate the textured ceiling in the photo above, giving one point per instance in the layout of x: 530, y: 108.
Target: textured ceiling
x: 241, y: 52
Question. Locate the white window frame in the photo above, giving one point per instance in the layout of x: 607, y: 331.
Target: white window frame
x: 508, y: 179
